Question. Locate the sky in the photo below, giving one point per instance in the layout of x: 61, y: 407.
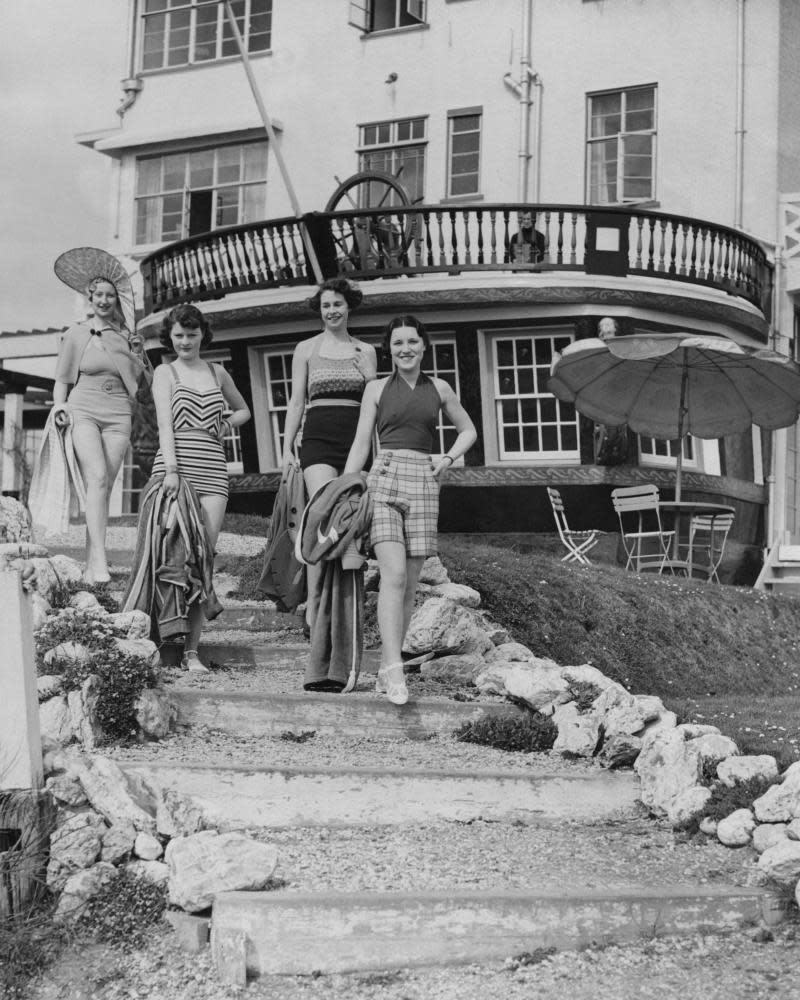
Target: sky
x: 60, y: 66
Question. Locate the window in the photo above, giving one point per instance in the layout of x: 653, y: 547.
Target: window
x: 655, y: 452
x: 531, y: 422
x: 186, y: 194
x: 397, y: 148
x: 464, y: 152
x: 440, y: 360
x: 386, y: 15
x: 621, y: 146
x: 278, y: 367
x: 181, y: 32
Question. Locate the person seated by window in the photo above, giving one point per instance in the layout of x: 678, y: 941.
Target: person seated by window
x: 527, y: 245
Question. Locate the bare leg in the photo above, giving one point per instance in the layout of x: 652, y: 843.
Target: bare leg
x: 414, y: 566
x: 99, y: 457
x: 315, y: 476
x: 213, y: 508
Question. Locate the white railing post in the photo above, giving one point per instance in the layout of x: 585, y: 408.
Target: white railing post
x: 20, y: 738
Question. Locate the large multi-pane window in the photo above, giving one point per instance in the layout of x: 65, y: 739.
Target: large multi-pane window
x: 386, y: 15
x: 621, y: 146
x: 531, y: 423
x: 464, y: 152
x: 653, y: 451
x: 186, y: 194
x: 397, y: 148
x: 181, y: 32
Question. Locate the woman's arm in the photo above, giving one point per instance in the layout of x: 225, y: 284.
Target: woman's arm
x: 467, y: 435
x: 297, y: 402
x: 162, y: 397
x: 240, y: 411
x: 359, y: 449
x: 366, y: 360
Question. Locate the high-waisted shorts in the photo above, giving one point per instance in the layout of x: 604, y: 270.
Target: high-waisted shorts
x: 101, y: 400
x: 405, y: 501
x: 328, y: 432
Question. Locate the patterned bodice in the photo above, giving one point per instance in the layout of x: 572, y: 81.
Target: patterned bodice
x: 334, y: 378
x: 197, y: 409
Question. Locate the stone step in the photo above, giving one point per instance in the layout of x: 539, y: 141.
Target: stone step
x: 286, y: 933
x: 272, y: 655
x: 232, y: 797
x: 253, y: 619
x: 242, y: 713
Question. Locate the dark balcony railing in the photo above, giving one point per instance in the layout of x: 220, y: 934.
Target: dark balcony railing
x: 422, y: 239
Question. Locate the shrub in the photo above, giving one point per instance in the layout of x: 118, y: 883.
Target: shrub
x: 88, y: 628
x: 529, y: 732
x: 124, y: 910
x: 584, y: 693
x: 65, y: 590
x: 122, y: 678
x: 725, y: 800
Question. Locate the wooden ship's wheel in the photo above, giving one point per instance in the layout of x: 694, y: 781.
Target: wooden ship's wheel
x: 364, y: 240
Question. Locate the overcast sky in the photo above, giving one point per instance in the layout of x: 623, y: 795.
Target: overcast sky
x: 60, y: 66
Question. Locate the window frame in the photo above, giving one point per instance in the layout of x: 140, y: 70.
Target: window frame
x: 141, y: 223
x: 649, y: 456
x: 452, y: 116
x: 496, y: 451
x: 362, y: 15
x: 220, y: 36
x: 619, y: 137
x: 394, y: 146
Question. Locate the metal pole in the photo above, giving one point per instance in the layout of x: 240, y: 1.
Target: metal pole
x: 681, y: 415
x: 309, y: 247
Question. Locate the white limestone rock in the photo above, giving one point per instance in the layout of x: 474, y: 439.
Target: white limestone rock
x: 81, y: 887
x: 767, y: 835
x: 145, y: 649
x: 668, y: 765
x: 83, y: 713
x: 736, y: 830
x: 708, y: 826
x: 585, y: 673
x: 52, y: 572
x: 693, y: 730
x: 177, y: 815
x: 459, y: 593
x: 433, y: 572
x: 147, y: 847
x: 117, y: 842
x: 66, y: 789
x: 578, y: 735
x: 793, y: 829
x: 154, y: 871
x: 74, y: 845
x: 539, y: 684
x: 67, y: 652
x: 621, y: 751
x: 49, y: 685
x: 440, y: 622
x: 40, y: 608
x: 665, y: 721
x: 155, y: 713
x: 55, y: 721
x: 492, y: 679
x: 688, y: 805
x: 460, y: 666
x: 734, y: 770
x: 207, y: 863
x: 617, y: 711
x: 497, y: 634
x: 781, y: 863
x: 650, y: 705
x: 84, y: 601
x: 511, y: 652
x: 131, y: 624
x: 120, y: 797
x: 781, y: 802
x: 714, y: 748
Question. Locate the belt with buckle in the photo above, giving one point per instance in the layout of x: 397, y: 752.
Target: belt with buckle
x: 108, y: 386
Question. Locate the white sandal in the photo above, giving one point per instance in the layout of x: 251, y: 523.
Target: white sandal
x: 192, y: 662
x: 391, y: 681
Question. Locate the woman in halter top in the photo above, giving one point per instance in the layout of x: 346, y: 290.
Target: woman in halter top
x: 196, y: 404
x: 404, y: 482
x: 329, y: 372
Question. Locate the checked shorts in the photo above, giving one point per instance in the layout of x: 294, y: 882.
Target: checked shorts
x: 405, y: 501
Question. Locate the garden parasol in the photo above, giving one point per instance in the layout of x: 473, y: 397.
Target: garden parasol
x: 669, y: 385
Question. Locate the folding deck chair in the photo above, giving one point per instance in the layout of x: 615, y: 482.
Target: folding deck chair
x: 645, y: 542
x: 577, y: 543
x: 708, y: 534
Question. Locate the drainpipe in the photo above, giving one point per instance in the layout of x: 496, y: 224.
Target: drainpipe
x: 522, y: 88
x: 132, y: 84
x: 738, y: 208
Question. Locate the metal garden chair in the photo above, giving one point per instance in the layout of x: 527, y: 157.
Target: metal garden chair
x: 644, y: 539
x: 577, y: 543
x: 708, y: 535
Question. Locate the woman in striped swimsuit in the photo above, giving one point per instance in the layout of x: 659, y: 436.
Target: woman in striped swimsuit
x: 196, y: 405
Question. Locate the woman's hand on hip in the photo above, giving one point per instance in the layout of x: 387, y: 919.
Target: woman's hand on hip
x: 172, y: 483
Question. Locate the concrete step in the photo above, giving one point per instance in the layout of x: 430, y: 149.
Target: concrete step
x: 253, y: 618
x: 242, y: 713
x: 275, y: 656
x: 285, y: 933
x: 232, y: 797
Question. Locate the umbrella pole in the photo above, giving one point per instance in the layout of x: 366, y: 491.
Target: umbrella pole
x: 681, y: 416
x: 273, y: 145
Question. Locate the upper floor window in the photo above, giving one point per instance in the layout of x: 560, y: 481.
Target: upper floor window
x: 386, y: 15
x: 621, y: 146
x: 397, y: 148
x: 180, y: 32
x: 186, y: 194
x: 464, y: 152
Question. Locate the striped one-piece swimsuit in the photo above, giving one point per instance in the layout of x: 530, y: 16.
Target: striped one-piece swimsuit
x: 196, y: 420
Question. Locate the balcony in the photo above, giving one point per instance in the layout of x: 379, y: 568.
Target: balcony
x: 427, y: 239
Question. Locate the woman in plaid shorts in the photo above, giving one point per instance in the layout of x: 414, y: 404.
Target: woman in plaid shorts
x: 404, y: 481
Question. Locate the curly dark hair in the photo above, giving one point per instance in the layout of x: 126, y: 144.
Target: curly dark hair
x: 188, y: 316
x: 341, y: 286
x: 405, y: 320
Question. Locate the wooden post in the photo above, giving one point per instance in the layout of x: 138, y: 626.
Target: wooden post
x: 12, y: 444
x: 20, y: 738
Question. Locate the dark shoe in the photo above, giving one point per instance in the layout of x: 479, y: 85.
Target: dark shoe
x: 329, y: 686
